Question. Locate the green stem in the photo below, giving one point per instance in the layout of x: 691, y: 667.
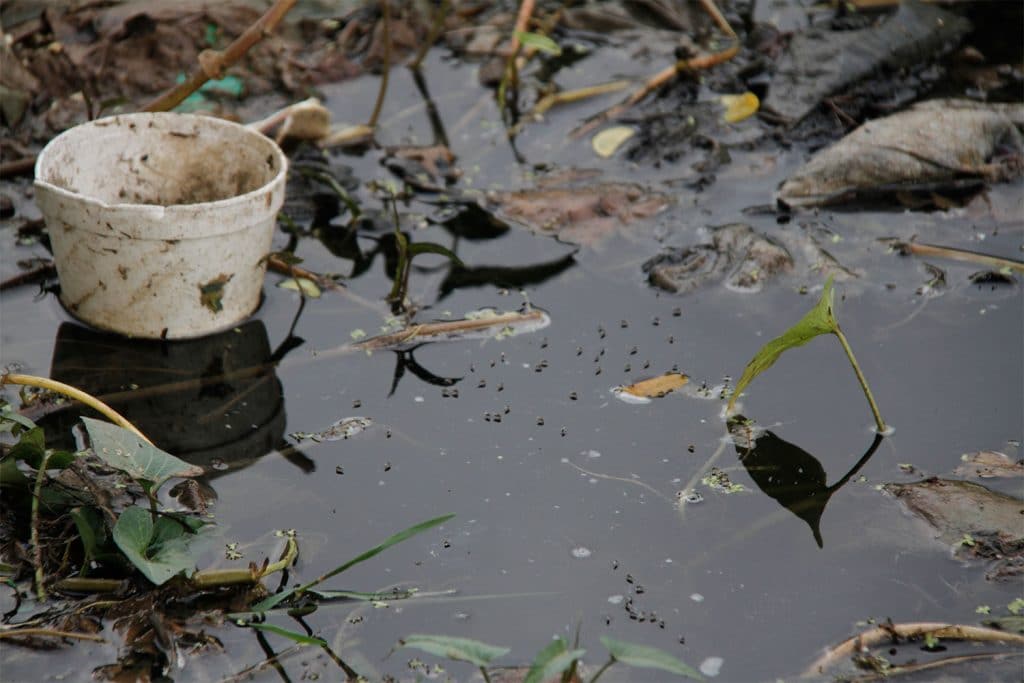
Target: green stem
x: 879, y: 422
x: 435, y: 31
x: 611, y: 660
x: 483, y: 672
x: 37, y: 551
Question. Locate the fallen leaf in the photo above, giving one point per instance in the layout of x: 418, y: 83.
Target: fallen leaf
x: 608, y: 141
x: 344, y: 428
x: 655, y: 387
x: 989, y: 464
x: 211, y: 294
x: 936, y: 142
x: 301, y: 284
x: 739, y: 107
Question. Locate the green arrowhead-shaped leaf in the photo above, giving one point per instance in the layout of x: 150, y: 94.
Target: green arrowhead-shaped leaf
x: 540, y: 42
x: 125, y: 451
x: 647, y: 657
x: 553, y: 660
x: 160, y: 551
x: 819, y: 320
x: 451, y: 647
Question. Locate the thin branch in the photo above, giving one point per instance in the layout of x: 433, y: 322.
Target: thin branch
x: 937, y: 251
x: 432, y: 35
x: 49, y: 633
x: 213, y: 63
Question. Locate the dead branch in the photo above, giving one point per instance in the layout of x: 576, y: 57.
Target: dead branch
x: 213, y: 63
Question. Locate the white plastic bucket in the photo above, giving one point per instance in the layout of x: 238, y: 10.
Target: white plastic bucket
x: 160, y: 223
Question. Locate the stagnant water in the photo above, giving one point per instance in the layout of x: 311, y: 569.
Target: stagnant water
x: 566, y: 508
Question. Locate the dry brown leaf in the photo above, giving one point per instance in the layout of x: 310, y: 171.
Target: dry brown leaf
x: 655, y: 387
x: 989, y: 464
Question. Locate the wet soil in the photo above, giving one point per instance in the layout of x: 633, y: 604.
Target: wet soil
x: 565, y: 497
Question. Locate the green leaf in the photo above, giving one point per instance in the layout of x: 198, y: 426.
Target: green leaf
x: 433, y: 248
x: 10, y: 416
x: 451, y: 647
x: 647, y: 657
x: 540, y: 42
x: 277, y: 598
x: 125, y: 451
x: 31, y: 447
x: 160, y: 551
x: 551, y: 661
x: 91, y: 530
x: 300, y: 638
x: 819, y: 320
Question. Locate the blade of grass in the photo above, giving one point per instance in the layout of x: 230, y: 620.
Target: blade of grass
x: 276, y: 599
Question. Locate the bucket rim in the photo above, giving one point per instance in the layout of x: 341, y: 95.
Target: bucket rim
x: 276, y: 181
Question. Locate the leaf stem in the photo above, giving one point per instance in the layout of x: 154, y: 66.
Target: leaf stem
x: 37, y: 551
x: 483, y: 672
x: 879, y: 422
x: 379, y: 104
x: 611, y: 660
x: 76, y: 394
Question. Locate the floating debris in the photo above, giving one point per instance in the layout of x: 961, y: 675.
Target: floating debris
x: 643, y: 391
x: 484, y: 324
x: 608, y: 141
x: 989, y: 464
x: 342, y: 429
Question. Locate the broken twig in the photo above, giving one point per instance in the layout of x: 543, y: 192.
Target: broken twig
x: 937, y: 251
x: 213, y: 63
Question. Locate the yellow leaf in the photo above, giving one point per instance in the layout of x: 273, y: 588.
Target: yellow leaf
x: 739, y: 107
x: 608, y: 141
x: 655, y: 387
x: 301, y: 284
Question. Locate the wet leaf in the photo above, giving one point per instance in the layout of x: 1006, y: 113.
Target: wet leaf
x: 739, y: 107
x: 646, y: 657
x: 539, y: 42
x: 960, y: 509
x: 989, y: 464
x: 451, y: 647
x: 124, y: 451
x: 584, y: 215
x: 342, y: 429
x: 935, y: 142
x: 655, y: 387
x: 552, y: 661
x: 1011, y: 623
x: 211, y: 294
x: 416, y: 248
x: 608, y: 141
x: 300, y: 638
x: 819, y: 320
x: 160, y: 551
x: 492, y: 324
x: 301, y: 284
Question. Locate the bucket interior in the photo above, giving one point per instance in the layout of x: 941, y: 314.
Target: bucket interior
x: 188, y: 160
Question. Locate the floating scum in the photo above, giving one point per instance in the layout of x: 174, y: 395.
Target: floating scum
x: 935, y: 144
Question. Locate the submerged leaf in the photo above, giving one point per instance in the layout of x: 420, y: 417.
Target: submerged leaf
x: 124, y: 451
x: 451, y: 647
x: 817, y: 321
x: 988, y: 464
x: 647, y: 657
x: 300, y: 638
x: 655, y: 387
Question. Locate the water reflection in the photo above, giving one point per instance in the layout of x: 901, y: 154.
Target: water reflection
x: 789, y: 474
x: 215, y: 402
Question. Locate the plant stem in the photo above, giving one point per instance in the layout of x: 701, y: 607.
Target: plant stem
x: 379, y: 104
x: 483, y: 672
x: 76, y: 394
x: 37, y: 551
x: 611, y: 660
x: 435, y: 31
x: 879, y: 422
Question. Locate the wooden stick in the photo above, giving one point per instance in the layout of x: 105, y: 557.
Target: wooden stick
x: 426, y: 331
x: 49, y: 633
x: 213, y: 63
x: 936, y: 251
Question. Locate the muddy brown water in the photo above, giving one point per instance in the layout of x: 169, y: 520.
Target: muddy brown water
x: 537, y: 545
